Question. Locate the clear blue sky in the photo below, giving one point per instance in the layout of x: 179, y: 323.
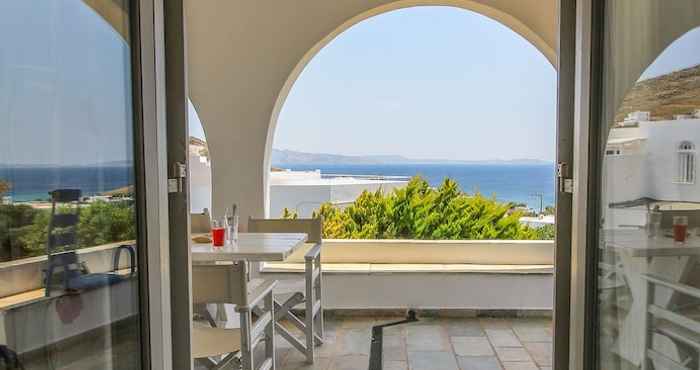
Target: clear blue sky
x: 425, y: 82
x: 65, y: 86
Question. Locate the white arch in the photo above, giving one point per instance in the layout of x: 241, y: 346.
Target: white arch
x: 505, y: 19
x: 243, y: 57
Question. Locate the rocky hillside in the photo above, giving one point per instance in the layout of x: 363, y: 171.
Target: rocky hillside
x: 664, y: 96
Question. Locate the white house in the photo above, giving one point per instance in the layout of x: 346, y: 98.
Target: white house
x: 304, y: 191
x: 299, y: 191
x: 650, y: 162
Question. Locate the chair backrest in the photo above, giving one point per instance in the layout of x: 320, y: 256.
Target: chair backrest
x: 200, y: 223
x: 63, y: 224
x: 220, y: 284
x: 312, y: 227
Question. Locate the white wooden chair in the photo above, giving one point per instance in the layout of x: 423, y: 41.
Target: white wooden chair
x: 291, y: 293
x: 680, y: 325
x: 200, y: 223
x: 216, y: 347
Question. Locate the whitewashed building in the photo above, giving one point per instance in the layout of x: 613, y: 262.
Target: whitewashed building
x: 650, y: 162
x: 304, y: 191
x: 299, y: 191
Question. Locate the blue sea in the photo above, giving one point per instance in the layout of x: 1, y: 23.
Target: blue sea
x: 507, y: 182
x: 513, y: 183
x: 34, y: 183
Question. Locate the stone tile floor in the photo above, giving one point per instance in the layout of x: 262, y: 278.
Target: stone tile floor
x: 431, y: 344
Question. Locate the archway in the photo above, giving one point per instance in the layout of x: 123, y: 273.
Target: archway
x: 474, y: 8
x: 630, y: 56
x: 243, y: 57
x: 420, y: 49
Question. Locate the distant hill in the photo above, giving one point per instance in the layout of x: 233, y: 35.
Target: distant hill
x: 664, y: 96
x: 281, y: 158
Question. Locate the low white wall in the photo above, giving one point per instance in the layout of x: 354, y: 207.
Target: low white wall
x: 486, y: 252
x: 430, y: 290
x: 435, y: 289
x: 439, y: 290
x: 39, y: 323
x: 27, y: 274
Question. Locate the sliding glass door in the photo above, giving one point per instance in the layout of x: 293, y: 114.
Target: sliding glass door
x: 647, y: 192
x: 73, y: 283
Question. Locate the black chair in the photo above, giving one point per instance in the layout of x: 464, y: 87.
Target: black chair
x: 64, y: 268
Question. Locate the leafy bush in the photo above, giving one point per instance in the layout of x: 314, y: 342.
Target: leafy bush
x: 14, y: 221
x: 546, y: 232
x: 24, y: 230
x: 418, y: 211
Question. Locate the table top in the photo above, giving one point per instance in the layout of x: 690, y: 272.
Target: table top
x: 638, y: 244
x: 251, y: 247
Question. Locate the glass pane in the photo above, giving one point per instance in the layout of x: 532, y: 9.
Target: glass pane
x: 648, y: 276
x: 68, y: 280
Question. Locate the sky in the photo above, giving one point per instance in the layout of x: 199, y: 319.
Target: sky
x: 65, y: 90
x: 424, y: 82
x: 682, y: 53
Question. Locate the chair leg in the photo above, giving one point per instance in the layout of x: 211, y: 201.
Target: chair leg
x: 309, y: 316
x: 270, y: 331
x: 246, y: 340
x: 319, y: 297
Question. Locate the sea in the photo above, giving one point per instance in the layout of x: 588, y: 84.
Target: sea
x: 35, y: 183
x: 521, y: 183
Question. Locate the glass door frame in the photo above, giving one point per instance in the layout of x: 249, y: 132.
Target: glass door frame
x: 566, y: 67
x: 585, y: 232
x: 150, y: 21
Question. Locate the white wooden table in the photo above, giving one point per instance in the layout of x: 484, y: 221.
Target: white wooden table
x: 660, y: 256
x: 251, y: 247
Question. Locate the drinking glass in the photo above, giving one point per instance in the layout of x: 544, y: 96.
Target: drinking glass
x: 218, y: 234
x: 654, y: 224
x: 232, y: 232
x: 680, y: 228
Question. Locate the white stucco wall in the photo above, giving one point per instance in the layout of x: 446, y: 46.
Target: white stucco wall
x: 305, y: 198
x: 662, y: 161
x: 200, y: 183
x: 652, y: 172
x: 626, y: 177
x: 300, y: 198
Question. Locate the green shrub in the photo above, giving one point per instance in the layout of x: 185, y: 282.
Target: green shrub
x: 24, y: 230
x: 418, y: 211
x: 14, y: 221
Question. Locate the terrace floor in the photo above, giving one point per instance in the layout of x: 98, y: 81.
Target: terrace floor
x: 431, y: 344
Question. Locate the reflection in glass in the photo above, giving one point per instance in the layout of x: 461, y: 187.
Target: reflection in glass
x: 648, y: 276
x: 68, y: 279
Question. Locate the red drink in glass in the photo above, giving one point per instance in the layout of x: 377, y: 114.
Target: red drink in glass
x: 680, y: 232
x: 218, y: 236
x: 680, y: 228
